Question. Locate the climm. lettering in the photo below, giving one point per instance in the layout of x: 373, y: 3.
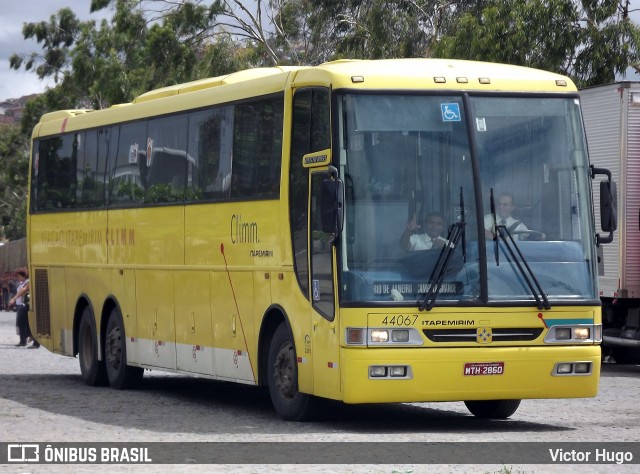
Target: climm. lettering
x: 243, y: 232
x: 121, y: 236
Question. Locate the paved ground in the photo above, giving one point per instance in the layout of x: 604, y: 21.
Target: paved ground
x: 43, y: 399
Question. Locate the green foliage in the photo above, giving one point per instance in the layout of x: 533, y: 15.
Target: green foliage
x: 99, y: 5
x: 224, y: 57
x: 56, y: 37
x: 170, y: 43
x: 535, y: 33
x: 610, y: 42
x: 590, y: 40
x: 98, y: 66
x: 384, y: 30
x: 14, y: 168
x: 157, y: 193
x: 163, y: 192
x: 130, y: 190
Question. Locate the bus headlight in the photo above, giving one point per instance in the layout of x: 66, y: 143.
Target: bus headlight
x: 379, y: 335
x: 576, y: 368
x: 574, y: 333
x: 377, y: 371
x: 398, y: 371
x: 382, y: 337
x: 582, y: 367
x: 581, y: 333
x: 564, y: 368
x: 400, y: 335
x: 388, y: 372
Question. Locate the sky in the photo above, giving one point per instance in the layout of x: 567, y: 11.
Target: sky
x: 14, y: 13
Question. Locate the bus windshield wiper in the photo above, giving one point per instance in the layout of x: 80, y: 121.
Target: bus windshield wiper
x: 456, y: 231
x: 502, y: 232
x: 464, y: 234
x: 523, y: 266
x: 492, y: 204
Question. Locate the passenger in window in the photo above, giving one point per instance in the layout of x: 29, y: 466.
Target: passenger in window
x: 431, y: 238
x: 505, y: 205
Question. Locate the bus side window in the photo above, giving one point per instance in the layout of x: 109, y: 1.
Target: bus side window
x: 91, y: 173
x: 209, y: 153
x: 167, y: 165
x: 257, y: 148
x: 128, y: 178
x: 57, y: 180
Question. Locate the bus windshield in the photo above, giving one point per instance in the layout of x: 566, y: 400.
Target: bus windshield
x: 510, y: 172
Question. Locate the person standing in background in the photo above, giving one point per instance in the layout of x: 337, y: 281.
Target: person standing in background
x: 22, y: 314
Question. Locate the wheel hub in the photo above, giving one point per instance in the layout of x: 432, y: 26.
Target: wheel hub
x: 285, y: 371
x: 113, y: 352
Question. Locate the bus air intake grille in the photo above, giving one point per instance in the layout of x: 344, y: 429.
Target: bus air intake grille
x: 43, y: 313
x: 470, y: 334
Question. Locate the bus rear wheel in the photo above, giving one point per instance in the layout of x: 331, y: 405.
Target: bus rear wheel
x: 121, y: 375
x: 92, y: 369
x: 497, y: 409
x: 282, y: 376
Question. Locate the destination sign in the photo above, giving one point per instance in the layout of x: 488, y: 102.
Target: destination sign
x: 382, y: 288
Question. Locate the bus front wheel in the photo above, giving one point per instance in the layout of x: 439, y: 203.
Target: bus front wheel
x: 121, y: 375
x: 282, y: 377
x: 93, y: 370
x: 497, y: 409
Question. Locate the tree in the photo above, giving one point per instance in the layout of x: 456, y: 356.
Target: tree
x: 303, y: 31
x: 610, y: 42
x: 97, y: 67
x: 14, y: 169
x: 89, y: 63
x: 197, y: 22
x: 589, y: 40
x: 320, y: 30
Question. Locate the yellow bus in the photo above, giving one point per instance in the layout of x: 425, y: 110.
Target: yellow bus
x: 249, y: 228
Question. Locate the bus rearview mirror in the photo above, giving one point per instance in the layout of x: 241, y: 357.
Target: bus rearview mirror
x: 332, y: 206
x: 608, y: 206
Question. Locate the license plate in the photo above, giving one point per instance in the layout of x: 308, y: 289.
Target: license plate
x: 484, y: 368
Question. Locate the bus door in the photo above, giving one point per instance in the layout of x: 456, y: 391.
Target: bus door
x: 325, y: 330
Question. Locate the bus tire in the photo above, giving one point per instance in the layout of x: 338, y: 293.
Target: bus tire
x: 497, y: 409
x: 282, y: 376
x: 93, y: 370
x: 121, y: 376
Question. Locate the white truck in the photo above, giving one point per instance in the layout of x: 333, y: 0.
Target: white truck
x: 612, y: 121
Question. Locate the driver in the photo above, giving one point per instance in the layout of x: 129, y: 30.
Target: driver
x: 431, y: 239
x: 505, y: 206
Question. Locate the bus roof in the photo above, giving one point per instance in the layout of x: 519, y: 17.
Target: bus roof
x: 385, y: 74
x: 440, y: 74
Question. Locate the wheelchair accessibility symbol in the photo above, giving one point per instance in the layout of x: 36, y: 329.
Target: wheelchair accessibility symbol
x: 450, y: 112
x: 315, y: 284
